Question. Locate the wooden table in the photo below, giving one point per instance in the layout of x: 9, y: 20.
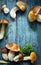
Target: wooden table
x: 20, y: 30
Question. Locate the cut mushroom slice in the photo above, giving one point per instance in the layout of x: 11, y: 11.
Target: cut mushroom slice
x: 5, y: 9
x: 33, y: 14
x: 32, y: 57
x: 19, y: 6
x: 13, y: 47
x: 3, y: 22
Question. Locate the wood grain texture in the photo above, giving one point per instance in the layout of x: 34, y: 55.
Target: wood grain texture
x: 11, y: 28
x: 21, y: 31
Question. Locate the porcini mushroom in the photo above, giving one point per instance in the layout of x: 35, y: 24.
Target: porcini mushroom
x: 4, y: 52
x: 19, y: 6
x: 32, y: 57
x: 13, y: 47
x: 33, y: 14
x: 2, y: 31
x: 5, y: 9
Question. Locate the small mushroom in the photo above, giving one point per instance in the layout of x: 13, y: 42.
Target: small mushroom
x: 19, y: 6
x: 5, y: 9
x: 32, y: 57
x: 13, y: 47
x: 18, y: 58
x: 5, y: 56
x: 33, y: 14
x: 11, y: 55
x: 4, y: 52
x: 2, y: 31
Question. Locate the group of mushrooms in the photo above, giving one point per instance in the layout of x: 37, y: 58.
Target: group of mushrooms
x: 8, y: 53
x: 12, y: 52
x: 19, y: 6
x: 32, y: 14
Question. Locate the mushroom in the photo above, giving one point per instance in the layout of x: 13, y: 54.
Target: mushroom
x: 5, y: 9
x: 32, y: 57
x: 2, y: 31
x: 13, y: 47
x: 11, y: 55
x: 4, y: 53
x: 33, y: 14
x: 5, y: 56
x: 18, y: 58
x: 19, y: 6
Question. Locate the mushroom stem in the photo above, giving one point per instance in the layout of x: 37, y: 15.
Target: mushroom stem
x: 6, y: 10
x: 39, y: 18
x: 13, y: 12
x: 16, y: 58
x: 11, y: 55
x: 2, y: 31
x: 1, y: 61
x: 26, y: 58
x: 5, y: 56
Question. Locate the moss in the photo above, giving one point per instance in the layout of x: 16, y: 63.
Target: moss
x: 27, y: 49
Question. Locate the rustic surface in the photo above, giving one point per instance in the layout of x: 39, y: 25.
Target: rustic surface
x: 21, y: 31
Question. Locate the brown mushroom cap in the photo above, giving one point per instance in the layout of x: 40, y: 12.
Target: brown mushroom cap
x: 21, y: 5
x: 3, y: 6
x: 3, y: 50
x: 20, y: 57
x: 33, y: 57
x: 13, y: 47
x: 4, y: 21
x: 33, y: 12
